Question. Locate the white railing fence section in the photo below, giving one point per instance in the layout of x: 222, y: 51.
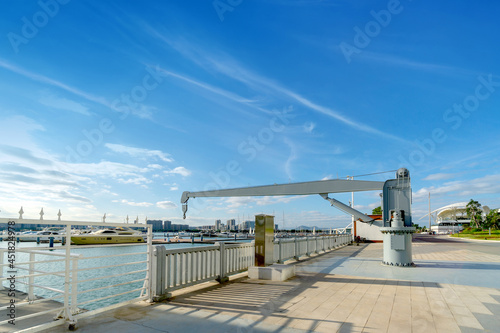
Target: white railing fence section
x: 180, y: 268
x: 294, y: 248
x: 82, y: 280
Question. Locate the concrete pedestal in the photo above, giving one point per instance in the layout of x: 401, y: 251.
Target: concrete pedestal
x: 397, y: 246
x: 274, y: 272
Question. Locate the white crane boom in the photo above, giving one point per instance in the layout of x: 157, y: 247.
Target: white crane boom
x: 321, y: 187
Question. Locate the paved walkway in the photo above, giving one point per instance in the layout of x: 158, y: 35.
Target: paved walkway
x: 453, y: 289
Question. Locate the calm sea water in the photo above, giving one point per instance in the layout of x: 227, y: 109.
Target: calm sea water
x: 57, y: 281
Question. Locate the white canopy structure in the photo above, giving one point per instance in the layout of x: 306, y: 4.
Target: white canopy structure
x: 452, y: 218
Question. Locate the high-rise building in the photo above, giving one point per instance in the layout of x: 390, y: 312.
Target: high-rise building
x: 247, y: 225
x: 218, y: 224
x: 167, y: 225
x: 157, y: 224
x: 231, y: 224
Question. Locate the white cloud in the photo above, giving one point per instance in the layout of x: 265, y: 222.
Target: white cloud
x: 136, y: 204
x: 155, y: 166
x: 309, y: 127
x: 179, y: 170
x: 139, y: 152
x: 20, y: 127
x: 54, y: 83
x: 166, y: 204
x: 136, y: 180
x: 465, y: 188
x: 440, y: 176
x: 228, y: 66
x: 64, y: 104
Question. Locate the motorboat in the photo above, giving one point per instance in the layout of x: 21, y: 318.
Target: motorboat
x: 46, y: 234
x: 119, y: 235
x: 27, y: 236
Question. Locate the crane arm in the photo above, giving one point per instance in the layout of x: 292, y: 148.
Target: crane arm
x: 322, y: 187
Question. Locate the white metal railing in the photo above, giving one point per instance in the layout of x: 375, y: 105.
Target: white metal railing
x: 294, y: 248
x: 82, y: 284
x: 180, y: 268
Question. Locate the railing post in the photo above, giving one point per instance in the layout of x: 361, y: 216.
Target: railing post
x: 74, y: 285
x: 158, y: 273
x: 307, y: 245
x: 296, y: 254
x: 149, y: 256
x: 222, y: 252
x: 280, y: 251
x: 31, y: 279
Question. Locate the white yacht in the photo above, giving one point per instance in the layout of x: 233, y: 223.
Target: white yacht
x: 118, y: 235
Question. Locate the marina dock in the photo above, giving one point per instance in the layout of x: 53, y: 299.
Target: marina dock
x: 455, y: 287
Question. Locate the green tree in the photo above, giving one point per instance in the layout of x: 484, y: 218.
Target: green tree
x: 492, y: 220
x: 474, y: 212
x: 377, y: 211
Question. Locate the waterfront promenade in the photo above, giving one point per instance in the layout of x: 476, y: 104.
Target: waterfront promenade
x: 454, y: 288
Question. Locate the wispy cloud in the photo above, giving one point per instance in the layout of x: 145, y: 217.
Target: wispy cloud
x: 44, y: 79
x: 166, y: 204
x: 440, y: 176
x: 309, y: 127
x: 206, y: 86
x: 64, y: 104
x: 225, y: 64
x: 141, y: 110
x: 465, y: 188
x: 179, y: 170
x: 135, y: 204
x: 24, y: 154
x: 139, y: 152
x: 392, y: 60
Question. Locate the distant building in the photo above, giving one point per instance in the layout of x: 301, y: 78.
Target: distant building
x: 207, y: 227
x: 179, y: 227
x: 231, y: 224
x: 218, y: 224
x: 247, y: 225
x: 167, y: 225
x: 157, y: 224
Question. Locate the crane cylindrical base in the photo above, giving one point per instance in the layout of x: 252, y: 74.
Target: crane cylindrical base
x: 397, y: 246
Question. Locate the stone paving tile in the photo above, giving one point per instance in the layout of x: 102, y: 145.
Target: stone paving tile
x: 320, y: 300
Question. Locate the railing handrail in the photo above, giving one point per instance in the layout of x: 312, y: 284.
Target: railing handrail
x: 192, y: 249
x: 80, y: 223
x: 52, y: 252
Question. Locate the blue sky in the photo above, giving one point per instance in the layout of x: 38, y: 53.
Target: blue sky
x: 118, y: 107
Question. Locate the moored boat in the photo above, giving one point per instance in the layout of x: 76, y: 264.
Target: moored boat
x: 119, y: 235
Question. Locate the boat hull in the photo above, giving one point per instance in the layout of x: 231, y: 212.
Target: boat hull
x: 92, y: 239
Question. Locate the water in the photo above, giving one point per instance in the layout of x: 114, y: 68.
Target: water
x: 85, y: 262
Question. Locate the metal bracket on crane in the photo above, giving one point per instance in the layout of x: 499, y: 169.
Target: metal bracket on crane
x: 348, y: 209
